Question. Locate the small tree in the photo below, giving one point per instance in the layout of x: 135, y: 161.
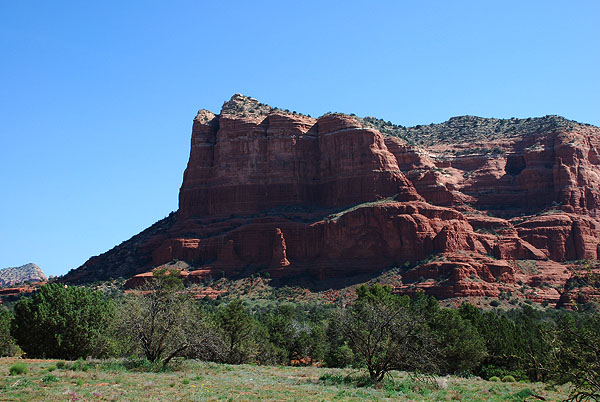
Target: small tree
x: 63, y: 322
x: 503, y: 342
x: 386, y: 335
x: 160, y: 321
x: 238, y: 328
x: 462, y: 347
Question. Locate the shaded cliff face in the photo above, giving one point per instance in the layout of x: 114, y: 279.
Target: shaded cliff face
x: 266, y: 190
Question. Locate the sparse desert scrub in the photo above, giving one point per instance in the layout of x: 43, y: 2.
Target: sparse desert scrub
x: 193, y: 380
x: 17, y: 368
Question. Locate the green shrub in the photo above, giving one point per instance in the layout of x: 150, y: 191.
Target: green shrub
x: 79, y: 382
x: 494, y: 379
x: 493, y: 371
x: 50, y: 378
x: 60, y: 365
x: 508, y: 378
x: 341, y: 357
x: 18, y: 368
x: 13, y: 350
x: 332, y: 379
x: 51, y: 368
x: 185, y: 381
x: 80, y: 365
x: 406, y: 386
x: 145, y: 365
x: 522, y: 394
x: 113, y: 365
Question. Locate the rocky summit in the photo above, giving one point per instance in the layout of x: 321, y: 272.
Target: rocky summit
x: 17, y: 275
x: 469, y: 207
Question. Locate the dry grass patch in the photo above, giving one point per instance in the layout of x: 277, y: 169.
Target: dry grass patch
x: 201, y: 381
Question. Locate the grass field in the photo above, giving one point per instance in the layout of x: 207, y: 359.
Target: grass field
x: 200, y: 381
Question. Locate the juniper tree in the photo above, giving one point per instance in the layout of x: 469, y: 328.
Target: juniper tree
x: 63, y: 321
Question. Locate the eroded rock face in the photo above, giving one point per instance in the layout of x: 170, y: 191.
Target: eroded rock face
x: 17, y: 275
x: 562, y: 236
x: 552, y: 163
x: 266, y: 190
x: 248, y: 164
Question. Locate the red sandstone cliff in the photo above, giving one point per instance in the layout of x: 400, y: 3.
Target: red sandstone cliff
x: 266, y: 190
x: 249, y: 163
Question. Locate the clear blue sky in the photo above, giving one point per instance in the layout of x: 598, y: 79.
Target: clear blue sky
x: 97, y: 97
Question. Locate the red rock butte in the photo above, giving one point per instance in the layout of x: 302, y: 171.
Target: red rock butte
x: 466, y: 205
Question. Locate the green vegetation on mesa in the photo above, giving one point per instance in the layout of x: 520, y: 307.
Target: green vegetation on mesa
x: 469, y: 128
x: 378, y: 334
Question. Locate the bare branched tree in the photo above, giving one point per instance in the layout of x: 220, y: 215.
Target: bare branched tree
x: 387, y: 335
x: 581, y: 351
x: 160, y: 319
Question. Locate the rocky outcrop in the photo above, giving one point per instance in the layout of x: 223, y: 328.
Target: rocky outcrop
x: 245, y: 164
x: 266, y: 190
x: 562, y: 236
x: 25, y: 273
x: 279, y: 259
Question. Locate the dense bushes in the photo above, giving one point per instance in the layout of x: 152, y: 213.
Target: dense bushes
x: 8, y: 347
x: 63, y: 322
x: 379, y: 331
x: 462, y: 347
x: 296, y: 333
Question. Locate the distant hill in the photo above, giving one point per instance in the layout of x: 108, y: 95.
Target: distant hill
x: 25, y: 273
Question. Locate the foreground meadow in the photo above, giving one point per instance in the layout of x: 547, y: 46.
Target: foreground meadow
x: 45, y: 380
